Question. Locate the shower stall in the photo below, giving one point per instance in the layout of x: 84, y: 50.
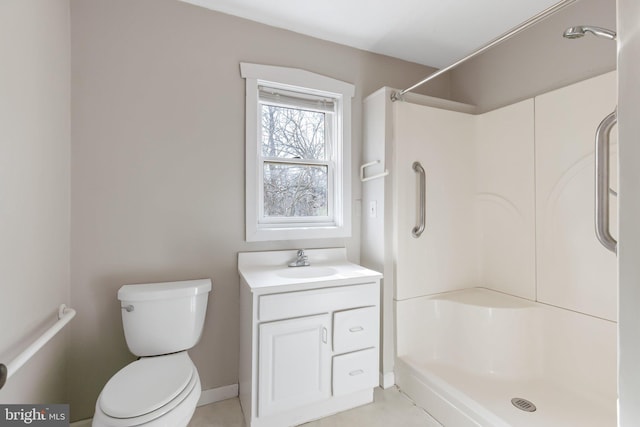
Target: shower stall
x: 502, y: 311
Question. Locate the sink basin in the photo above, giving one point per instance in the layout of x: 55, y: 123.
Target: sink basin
x: 307, y: 272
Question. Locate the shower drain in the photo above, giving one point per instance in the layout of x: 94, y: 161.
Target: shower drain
x: 523, y: 404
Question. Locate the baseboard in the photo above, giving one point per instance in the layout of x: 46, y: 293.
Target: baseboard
x: 208, y: 396
x: 217, y: 394
x: 387, y: 380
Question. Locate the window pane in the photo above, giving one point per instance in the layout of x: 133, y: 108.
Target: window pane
x: 295, y: 190
x: 293, y: 133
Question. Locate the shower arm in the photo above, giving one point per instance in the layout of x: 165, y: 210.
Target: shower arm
x: 397, y: 96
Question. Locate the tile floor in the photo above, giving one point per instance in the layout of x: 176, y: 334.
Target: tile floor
x: 390, y: 408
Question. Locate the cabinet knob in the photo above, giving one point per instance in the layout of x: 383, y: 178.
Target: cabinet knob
x: 356, y: 329
x: 356, y: 372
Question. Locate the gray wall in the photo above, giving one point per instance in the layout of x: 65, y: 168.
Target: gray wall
x: 539, y: 59
x: 34, y: 192
x: 158, y: 165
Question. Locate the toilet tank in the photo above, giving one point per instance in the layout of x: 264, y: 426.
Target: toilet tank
x: 162, y: 318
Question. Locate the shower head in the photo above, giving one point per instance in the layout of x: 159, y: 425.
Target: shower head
x: 573, y: 33
x: 580, y: 30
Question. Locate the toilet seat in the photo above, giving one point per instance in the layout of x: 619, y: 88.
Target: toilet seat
x: 146, y: 385
x: 148, y: 389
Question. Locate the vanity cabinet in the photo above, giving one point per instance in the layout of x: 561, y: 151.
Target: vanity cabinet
x: 309, y: 347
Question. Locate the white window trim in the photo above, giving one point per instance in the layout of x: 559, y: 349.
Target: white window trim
x: 295, y: 79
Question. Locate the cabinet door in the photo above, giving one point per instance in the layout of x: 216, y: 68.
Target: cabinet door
x: 294, y: 364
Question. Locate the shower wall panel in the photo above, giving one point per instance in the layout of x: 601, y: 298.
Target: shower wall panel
x: 574, y: 270
x: 505, y: 199
x: 444, y: 257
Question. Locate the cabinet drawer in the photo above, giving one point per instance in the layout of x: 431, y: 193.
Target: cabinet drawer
x: 355, y: 329
x: 355, y: 371
x: 324, y: 300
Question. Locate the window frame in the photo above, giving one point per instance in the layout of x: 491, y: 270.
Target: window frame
x: 338, y: 222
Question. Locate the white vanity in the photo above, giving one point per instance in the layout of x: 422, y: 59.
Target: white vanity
x: 309, y: 336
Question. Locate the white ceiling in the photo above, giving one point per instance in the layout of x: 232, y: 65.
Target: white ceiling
x: 429, y: 32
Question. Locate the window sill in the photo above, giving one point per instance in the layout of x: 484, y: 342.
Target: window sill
x: 296, y: 233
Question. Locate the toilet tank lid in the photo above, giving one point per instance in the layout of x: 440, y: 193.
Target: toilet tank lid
x: 164, y: 290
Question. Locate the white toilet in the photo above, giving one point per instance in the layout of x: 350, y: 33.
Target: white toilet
x: 161, y: 389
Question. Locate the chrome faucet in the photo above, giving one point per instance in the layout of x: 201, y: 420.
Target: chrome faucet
x: 301, y: 260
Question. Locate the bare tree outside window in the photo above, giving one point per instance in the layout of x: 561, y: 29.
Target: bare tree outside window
x: 294, y: 187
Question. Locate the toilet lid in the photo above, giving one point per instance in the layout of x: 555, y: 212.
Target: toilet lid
x: 146, y: 385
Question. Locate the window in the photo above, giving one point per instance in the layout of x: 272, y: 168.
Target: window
x: 297, y: 154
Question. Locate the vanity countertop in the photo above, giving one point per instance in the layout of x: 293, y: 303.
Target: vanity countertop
x: 329, y: 267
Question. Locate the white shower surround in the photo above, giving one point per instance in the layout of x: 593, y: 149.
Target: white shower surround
x: 509, y: 208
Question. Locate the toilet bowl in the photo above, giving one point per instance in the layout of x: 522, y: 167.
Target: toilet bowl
x: 162, y: 387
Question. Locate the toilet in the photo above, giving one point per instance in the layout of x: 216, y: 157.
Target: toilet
x: 161, y: 322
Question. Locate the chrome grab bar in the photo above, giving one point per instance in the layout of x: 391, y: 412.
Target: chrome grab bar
x: 418, y: 229
x: 65, y: 314
x: 602, y: 190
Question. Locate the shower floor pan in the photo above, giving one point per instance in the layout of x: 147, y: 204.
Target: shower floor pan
x: 463, y: 356
x: 460, y: 399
